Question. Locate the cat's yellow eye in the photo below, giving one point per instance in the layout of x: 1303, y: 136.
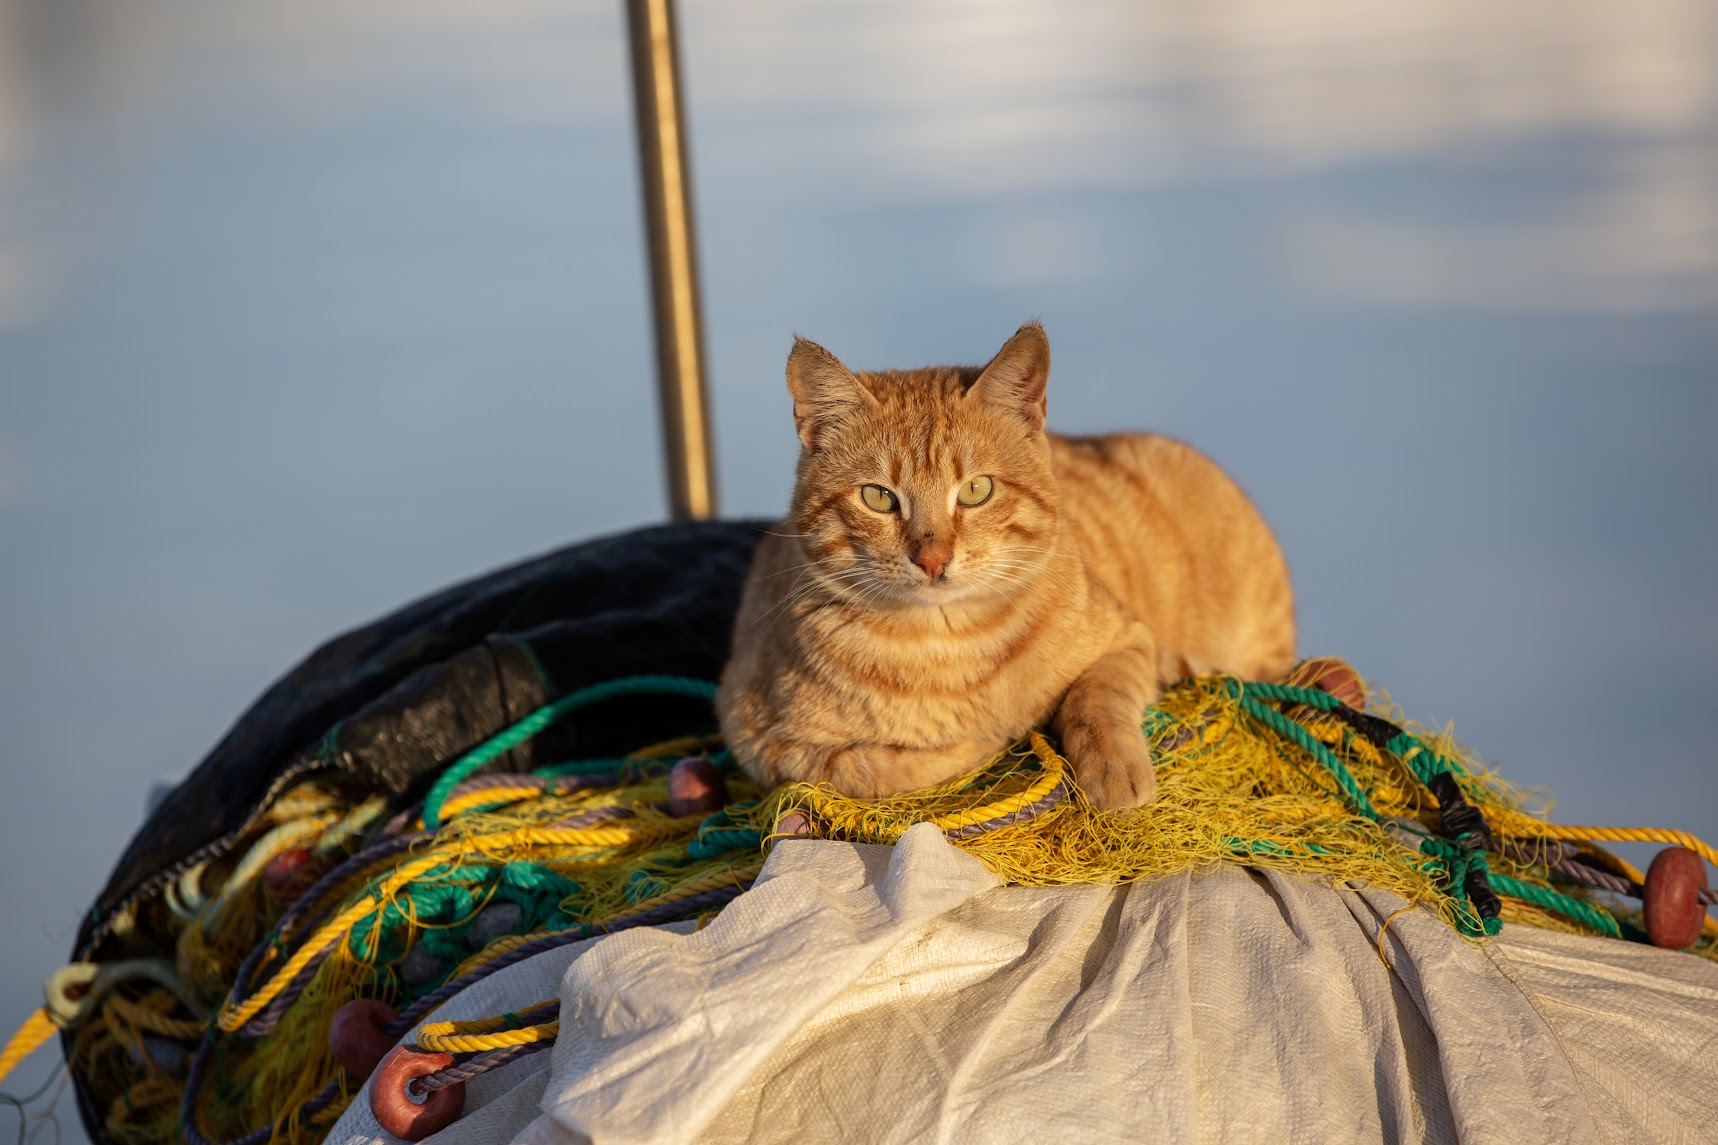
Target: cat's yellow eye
x: 878, y: 498
x: 975, y: 491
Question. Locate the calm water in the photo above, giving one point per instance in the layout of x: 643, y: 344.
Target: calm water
x: 305, y: 312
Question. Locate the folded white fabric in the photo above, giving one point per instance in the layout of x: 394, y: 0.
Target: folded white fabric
x: 873, y: 994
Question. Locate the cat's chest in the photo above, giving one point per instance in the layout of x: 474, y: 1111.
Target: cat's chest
x: 940, y: 681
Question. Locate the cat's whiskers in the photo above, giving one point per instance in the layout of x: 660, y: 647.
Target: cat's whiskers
x: 1019, y: 570
x: 810, y: 585
x: 1005, y: 577
x: 988, y: 583
x: 1071, y: 556
x: 793, y: 569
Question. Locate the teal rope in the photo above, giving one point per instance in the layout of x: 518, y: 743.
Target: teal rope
x: 709, y: 844
x: 1455, y: 860
x: 1582, y: 912
x: 509, y: 738
x: 1288, y: 694
x: 1424, y: 762
x: 1290, y: 730
x: 23, y: 1102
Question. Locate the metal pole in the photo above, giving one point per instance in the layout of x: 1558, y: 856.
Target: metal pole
x: 673, y: 258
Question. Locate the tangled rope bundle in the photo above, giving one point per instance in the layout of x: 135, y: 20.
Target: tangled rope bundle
x: 299, y: 967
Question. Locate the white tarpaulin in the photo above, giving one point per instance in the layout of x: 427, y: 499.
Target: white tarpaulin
x: 862, y: 993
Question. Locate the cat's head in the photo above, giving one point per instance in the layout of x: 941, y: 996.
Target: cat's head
x: 924, y: 486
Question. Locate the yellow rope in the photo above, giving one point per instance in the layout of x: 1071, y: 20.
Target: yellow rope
x: 465, y: 1044
x: 445, y: 1037
x: 603, y: 835
x: 234, y: 1017
x: 1516, y: 824
x: 1637, y: 835
x: 1055, y: 769
x: 513, y: 942
x: 495, y: 949
x: 35, y: 1030
x: 153, y: 1020
x: 278, y: 841
x: 481, y: 1025
x: 728, y: 878
x: 499, y: 795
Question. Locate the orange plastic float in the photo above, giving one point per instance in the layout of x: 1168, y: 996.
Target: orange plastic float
x: 410, y: 1115
x: 1674, y: 912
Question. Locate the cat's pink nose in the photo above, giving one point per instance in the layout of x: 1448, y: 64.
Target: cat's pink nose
x: 933, y: 557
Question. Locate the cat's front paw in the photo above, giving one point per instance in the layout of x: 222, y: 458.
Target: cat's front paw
x: 1113, y: 767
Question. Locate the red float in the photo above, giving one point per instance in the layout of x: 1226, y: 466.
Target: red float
x: 405, y: 1114
x: 1334, y: 675
x: 291, y: 873
x: 695, y: 787
x: 357, y: 1036
x: 1674, y: 912
x: 793, y: 823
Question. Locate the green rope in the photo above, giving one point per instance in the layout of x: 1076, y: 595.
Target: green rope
x: 1422, y: 760
x: 1292, y: 731
x: 1288, y: 694
x: 509, y: 738
x: 1456, y: 862
x: 23, y: 1102
x: 1455, y: 859
x: 1582, y: 912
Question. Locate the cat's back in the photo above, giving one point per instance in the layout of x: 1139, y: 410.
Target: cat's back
x: 1178, y: 542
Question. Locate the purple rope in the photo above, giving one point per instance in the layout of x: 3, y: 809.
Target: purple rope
x: 1185, y: 735
x: 564, y: 785
x: 477, y: 783
x: 194, y: 1082
x: 464, y: 1071
x: 667, y: 912
x: 487, y: 1060
x: 1562, y: 860
x: 270, y: 1016
x: 1054, y: 796
x: 488, y: 782
x: 1578, y: 872
x: 595, y: 815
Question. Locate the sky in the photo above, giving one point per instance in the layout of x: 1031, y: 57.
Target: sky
x: 308, y: 309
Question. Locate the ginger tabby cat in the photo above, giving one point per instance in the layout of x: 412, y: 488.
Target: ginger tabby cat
x: 951, y: 575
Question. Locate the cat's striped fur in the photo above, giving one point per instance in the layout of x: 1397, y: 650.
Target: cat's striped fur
x: 886, y: 651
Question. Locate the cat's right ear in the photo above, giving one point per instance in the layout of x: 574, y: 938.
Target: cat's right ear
x: 822, y: 388
x: 1016, y: 378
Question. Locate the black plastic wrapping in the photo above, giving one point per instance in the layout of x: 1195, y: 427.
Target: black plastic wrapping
x: 394, y: 702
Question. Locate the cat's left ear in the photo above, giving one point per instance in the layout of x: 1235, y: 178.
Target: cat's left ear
x: 1017, y: 377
